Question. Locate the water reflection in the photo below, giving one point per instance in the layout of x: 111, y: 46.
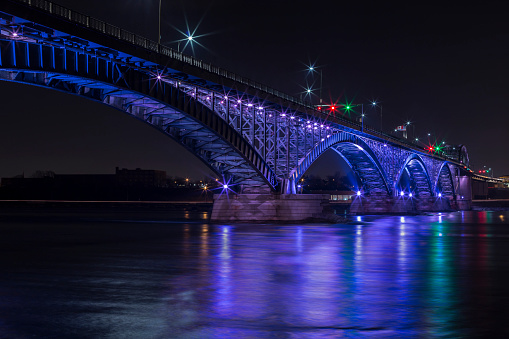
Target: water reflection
x: 436, y: 275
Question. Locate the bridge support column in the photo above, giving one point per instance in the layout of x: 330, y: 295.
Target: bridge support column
x: 289, y: 187
x: 385, y: 204
x: 463, y: 201
x: 268, y: 207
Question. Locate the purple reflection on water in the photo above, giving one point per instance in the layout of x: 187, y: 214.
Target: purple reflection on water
x: 436, y: 275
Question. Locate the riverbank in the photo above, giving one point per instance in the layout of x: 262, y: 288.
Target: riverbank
x: 106, y: 210
x: 490, y: 205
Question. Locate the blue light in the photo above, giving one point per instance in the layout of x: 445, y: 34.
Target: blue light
x: 358, y: 193
x: 225, y: 186
x: 439, y: 195
x: 402, y: 193
x: 410, y: 195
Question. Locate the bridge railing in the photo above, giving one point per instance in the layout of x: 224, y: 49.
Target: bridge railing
x: 122, y: 34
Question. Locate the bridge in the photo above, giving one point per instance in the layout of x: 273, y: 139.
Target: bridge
x: 260, y: 141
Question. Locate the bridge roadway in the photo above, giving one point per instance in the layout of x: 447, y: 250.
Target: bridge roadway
x: 257, y: 139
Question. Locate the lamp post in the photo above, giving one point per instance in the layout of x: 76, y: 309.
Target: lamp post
x: 375, y: 104
x: 313, y: 69
x: 159, y: 35
x: 408, y: 123
x: 362, y: 117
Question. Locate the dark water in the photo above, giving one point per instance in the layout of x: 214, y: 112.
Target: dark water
x: 433, y: 276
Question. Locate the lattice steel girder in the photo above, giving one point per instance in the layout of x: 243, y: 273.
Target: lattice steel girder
x: 195, y: 113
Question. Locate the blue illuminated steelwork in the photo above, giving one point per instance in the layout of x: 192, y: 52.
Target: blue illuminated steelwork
x: 248, y: 133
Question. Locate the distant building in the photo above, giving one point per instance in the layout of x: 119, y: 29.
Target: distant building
x: 506, y: 180
x: 336, y: 196
x: 140, y: 178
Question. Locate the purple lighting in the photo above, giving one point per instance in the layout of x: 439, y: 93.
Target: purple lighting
x: 225, y: 186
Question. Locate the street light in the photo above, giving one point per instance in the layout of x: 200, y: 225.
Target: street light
x: 375, y: 104
x: 312, y: 69
x: 189, y: 39
x: 408, y: 123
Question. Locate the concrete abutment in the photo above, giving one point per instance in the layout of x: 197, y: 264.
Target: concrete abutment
x: 306, y: 207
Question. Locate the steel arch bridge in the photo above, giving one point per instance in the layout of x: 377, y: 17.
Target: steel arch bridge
x: 258, y: 138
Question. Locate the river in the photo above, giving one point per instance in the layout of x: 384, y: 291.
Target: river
x: 439, y: 275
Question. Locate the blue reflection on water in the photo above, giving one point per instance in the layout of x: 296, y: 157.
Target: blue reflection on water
x: 388, y: 276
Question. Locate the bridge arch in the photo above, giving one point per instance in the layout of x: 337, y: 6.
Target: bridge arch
x: 419, y: 181
x: 152, y: 99
x: 444, y: 183
x: 357, y: 154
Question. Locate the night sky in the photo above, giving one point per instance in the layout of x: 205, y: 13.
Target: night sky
x: 444, y: 68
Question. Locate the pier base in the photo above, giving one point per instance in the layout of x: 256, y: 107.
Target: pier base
x: 383, y: 204
x: 268, y: 207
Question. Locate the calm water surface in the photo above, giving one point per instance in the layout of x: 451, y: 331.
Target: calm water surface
x: 432, y: 276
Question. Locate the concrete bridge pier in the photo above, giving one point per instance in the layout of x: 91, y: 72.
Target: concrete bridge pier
x: 463, y: 201
x: 268, y: 207
x: 383, y: 204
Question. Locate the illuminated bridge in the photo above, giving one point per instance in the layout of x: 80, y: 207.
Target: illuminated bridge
x: 258, y: 139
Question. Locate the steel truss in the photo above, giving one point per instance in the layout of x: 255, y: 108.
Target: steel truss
x: 251, y: 134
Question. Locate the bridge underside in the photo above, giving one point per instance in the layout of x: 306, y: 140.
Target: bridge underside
x: 369, y: 177
x: 159, y: 102
x: 418, y: 182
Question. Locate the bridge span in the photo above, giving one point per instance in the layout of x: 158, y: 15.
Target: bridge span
x: 260, y: 141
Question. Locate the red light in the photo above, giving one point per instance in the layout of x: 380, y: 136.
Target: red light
x: 319, y: 108
x: 333, y: 108
x: 479, y: 171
